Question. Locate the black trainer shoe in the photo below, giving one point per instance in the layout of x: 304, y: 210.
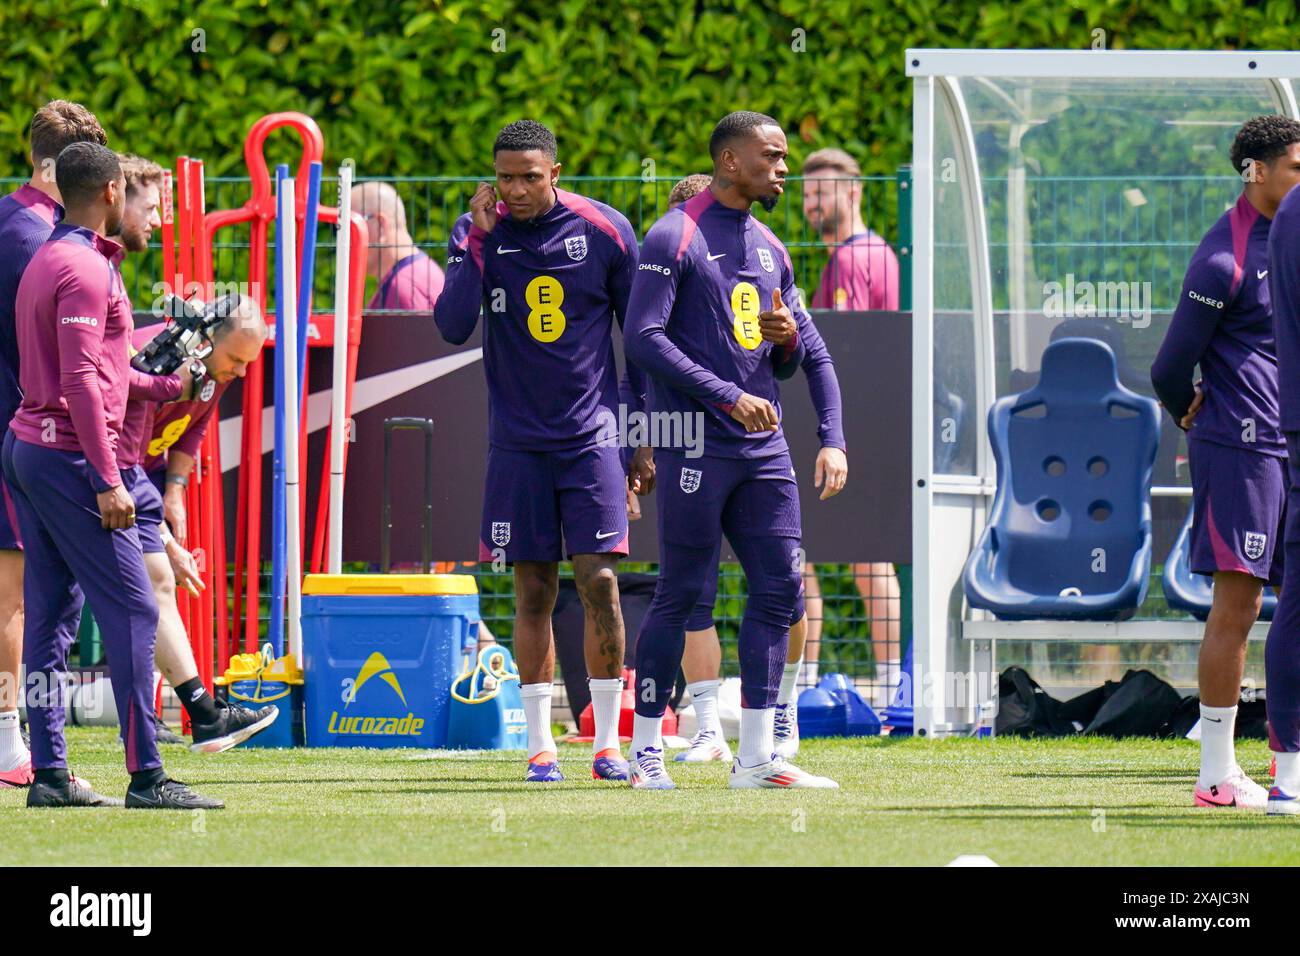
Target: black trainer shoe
x: 74, y: 793
x: 233, y: 726
x: 165, y: 734
x: 169, y: 795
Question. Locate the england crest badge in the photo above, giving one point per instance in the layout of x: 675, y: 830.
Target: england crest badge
x: 765, y: 260
x: 1253, y: 546
x: 576, y: 247
x: 209, y: 389
x: 690, y: 480
x: 501, y: 533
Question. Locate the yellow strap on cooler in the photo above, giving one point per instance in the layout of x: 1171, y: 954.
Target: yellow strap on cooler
x: 491, y: 662
x: 257, y: 697
x: 267, y: 656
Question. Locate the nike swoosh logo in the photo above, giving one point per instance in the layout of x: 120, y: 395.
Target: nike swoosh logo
x: 506, y: 252
x: 718, y: 256
x: 602, y: 535
x: 1260, y: 275
x: 367, y: 393
x: 1218, y: 803
x: 1217, y: 720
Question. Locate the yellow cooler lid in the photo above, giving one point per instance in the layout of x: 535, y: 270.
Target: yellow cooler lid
x: 437, y: 584
x: 242, y: 667
x: 284, y: 669
x: 255, y: 665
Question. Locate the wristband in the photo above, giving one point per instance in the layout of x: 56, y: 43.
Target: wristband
x: 182, y: 480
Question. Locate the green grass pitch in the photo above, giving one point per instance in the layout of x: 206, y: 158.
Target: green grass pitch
x: 1076, y: 802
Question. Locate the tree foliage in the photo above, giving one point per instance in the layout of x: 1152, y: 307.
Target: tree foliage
x: 413, y: 87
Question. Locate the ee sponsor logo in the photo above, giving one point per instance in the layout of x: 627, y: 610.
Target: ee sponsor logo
x: 544, y: 296
x: 744, y: 309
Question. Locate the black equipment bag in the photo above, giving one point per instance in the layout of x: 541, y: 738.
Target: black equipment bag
x: 1142, y: 705
x: 1025, y: 709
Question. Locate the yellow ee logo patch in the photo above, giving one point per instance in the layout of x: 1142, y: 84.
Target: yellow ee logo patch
x: 170, y: 436
x: 544, y: 296
x: 744, y: 306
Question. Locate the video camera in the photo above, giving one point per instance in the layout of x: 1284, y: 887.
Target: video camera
x: 187, y: 335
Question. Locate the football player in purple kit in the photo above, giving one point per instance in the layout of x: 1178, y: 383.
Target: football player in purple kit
x: 27, y: 217
x: 702, y: 657
x: 1282, y: 650
x: 552, y: 270
x: 698, y: 327
x: 1236, y: 449
x: 149, y: 429
x: 62, y: 460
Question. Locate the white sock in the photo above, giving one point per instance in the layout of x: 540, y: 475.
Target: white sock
x: 646, y: 733
x: 1218, y: 752
x: 12, y: 751
x: 704, y: 697
x: 537, y: 710
x: 757, y: 740
x: 809, y: 674
x: 606, y: 698
x: 788, y: 680
x: 1288, y: 773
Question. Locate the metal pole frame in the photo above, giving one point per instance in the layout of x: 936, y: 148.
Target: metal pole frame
x: 338, y: 426
x: 938, y: 608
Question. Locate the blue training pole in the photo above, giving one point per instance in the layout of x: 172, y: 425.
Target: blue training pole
x: 275, y: 633
x: 307, y: 272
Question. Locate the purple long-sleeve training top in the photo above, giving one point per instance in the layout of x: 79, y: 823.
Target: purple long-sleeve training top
x: 706, y: 272
x: 27, y: 217
x: 74, y: 324
x: 550, y: 289
x: 1224, y: 324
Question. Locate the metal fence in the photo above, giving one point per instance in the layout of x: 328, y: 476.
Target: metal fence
x: 1104, y: 227
x: 432, y: 204
x: 1107, y: 229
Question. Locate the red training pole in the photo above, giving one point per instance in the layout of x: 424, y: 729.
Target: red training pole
x: 201, y: 636
x: 168, y: 233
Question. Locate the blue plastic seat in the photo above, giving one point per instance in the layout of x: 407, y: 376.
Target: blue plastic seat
x: 1069, y: 535
x: 1186, y: 591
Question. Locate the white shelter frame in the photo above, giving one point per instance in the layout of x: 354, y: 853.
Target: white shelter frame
x: 954, y: 651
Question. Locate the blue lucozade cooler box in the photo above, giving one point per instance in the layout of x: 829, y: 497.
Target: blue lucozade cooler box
x: 380, y: 653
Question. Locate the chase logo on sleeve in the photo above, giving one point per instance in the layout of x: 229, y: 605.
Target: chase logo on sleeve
x: 1193, y: 294
x: 79, y: 320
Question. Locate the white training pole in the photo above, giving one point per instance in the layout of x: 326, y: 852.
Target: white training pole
x: 286, y: 392
x: 338, y: 428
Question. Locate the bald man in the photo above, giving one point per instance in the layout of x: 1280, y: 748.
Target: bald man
x: 408, y: 279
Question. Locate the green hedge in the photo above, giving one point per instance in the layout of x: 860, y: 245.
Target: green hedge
x: 415, y: 87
